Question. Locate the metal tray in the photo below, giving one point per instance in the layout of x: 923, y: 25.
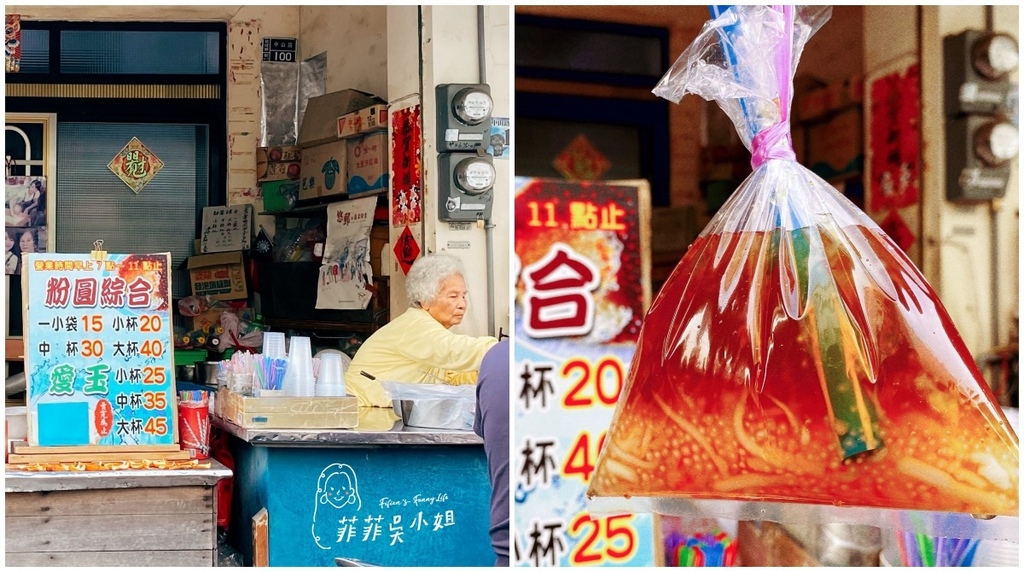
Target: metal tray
x: 455, y: 414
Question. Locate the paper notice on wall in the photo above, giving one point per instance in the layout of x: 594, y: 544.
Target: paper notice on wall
x: 346, y: 271
x: 226, y: 228
x: 245, y: 45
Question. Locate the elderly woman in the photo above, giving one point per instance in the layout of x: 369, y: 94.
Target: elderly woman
x: 417, y: 347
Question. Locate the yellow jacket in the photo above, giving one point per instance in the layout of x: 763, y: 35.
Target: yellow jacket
x: 413, y: 348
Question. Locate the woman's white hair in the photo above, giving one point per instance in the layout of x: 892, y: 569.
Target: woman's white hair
x: 423, y: 283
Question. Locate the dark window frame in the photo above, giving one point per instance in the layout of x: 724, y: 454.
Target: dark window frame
x: 211, y: 112
x: 585, y: 26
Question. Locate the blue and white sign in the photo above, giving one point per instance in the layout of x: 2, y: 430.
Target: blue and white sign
x: 98, y: 350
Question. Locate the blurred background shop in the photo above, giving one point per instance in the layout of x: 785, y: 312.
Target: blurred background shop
x: 239, y: 138
x: 875, y: 113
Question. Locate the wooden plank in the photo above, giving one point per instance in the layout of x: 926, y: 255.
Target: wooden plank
x: 191, y: 558
x: 26, y: 449
x: 261, y: 539
x: 148, y: 501
x: 14, y: 349
x: 179, y: 455
x: 110, y: 532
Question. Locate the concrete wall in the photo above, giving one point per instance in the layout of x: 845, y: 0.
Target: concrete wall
x: 449, y: 46
x: 356, y: 41
x: 959, y: 239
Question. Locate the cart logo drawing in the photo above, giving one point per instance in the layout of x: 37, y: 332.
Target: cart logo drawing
x: 336, y: 487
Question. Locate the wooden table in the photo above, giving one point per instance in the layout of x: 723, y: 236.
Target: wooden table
x: 146, y: 517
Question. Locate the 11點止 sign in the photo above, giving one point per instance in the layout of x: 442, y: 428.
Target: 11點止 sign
x: 98, y: 350
x: 582, y: 287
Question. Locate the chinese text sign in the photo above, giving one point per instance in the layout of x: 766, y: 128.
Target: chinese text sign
x: 580, y: 299
x: 98, y: 350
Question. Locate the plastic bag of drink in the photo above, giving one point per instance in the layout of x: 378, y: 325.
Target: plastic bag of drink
x: 795, y: 354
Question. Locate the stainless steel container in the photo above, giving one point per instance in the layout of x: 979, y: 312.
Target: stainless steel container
x: 436, y: 413
x: 186, y: 372
x: 206, y: 372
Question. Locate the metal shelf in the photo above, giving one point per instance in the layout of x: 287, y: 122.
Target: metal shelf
x: 303, y: 211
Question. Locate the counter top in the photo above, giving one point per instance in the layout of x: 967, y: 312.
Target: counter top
x: 37, y: 481
x: 377, y: 426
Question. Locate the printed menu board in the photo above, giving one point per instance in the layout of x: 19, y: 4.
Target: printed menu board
x: 98, y: 350
x: 582, y: 288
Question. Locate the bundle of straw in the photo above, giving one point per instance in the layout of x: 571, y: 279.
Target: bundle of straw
x: 270, y: 372
x: 918, y: 549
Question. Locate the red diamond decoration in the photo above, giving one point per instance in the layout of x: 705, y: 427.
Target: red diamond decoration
x: 581, y: 161
x: 898, y: 230
x: 406, y: 250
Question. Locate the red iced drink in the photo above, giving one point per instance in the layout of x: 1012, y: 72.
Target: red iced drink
x: 813, y: 366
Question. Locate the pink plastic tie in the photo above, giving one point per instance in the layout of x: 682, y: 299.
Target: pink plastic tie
x: 776, y: 142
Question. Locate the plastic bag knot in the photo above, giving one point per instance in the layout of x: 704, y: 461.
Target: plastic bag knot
x: 773, y: 142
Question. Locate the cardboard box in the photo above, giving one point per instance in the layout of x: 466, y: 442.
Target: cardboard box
x: 324, y: 171
x: 226, y: 229
x: 220, y: 276
x: 373, y: 118
x: 278, y: 171
x: 279, y: 154
x: 279, y: 195
x: 368, y: 164
x: 320, y: 121
x: 287, y: 412
x: 278, y: 163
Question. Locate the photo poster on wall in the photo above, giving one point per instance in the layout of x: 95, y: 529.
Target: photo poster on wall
x: 582, y: 272
x: 98, y: 350
x: 346, y: 272
x: 25, y: 225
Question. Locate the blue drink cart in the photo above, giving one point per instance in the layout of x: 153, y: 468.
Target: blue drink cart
x: 384, y: 494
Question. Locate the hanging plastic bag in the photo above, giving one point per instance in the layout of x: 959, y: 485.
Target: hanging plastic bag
x: 796, y: 355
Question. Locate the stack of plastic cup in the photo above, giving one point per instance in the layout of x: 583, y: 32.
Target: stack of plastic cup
x: 273, y: 345
x: 298, y: 379
x: 330, y: 382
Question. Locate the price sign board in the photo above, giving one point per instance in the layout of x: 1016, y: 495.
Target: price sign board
x: 279, y: 49
x: 583, y: 285
x: 98, y: 350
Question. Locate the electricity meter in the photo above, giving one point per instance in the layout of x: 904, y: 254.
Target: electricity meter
x: 980, y: 141
x: 979, y: 150
x: 472, y: 106
x: 466, y: 181
x: 996, y: 143
x: 474, y: 175
x: 463, y: 116
x: 977, y: 68
x: 995, y: 55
